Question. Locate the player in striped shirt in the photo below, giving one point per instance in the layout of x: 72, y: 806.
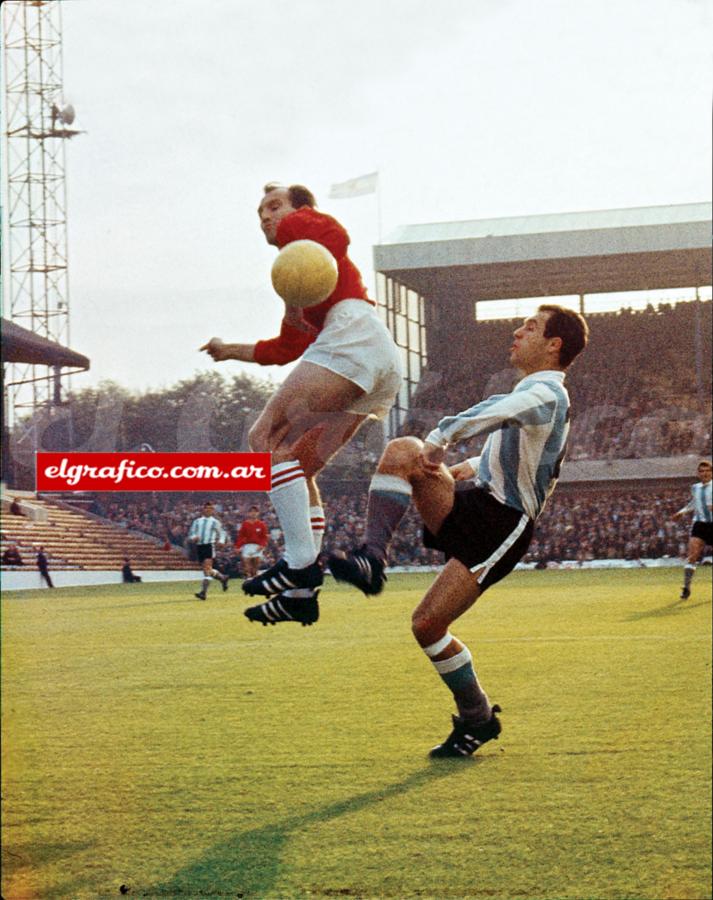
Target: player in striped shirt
x: 480, y: 512
x: 205, y: 532
x: 702, y: 529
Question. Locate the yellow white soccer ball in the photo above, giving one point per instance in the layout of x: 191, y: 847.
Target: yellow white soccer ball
x: 304, y: 273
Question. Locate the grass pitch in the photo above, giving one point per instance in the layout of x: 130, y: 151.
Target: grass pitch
x: 170, y: 747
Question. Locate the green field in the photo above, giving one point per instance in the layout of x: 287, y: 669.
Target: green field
x: 172, y: 747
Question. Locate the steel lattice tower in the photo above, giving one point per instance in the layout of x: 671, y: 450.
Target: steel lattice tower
x: 35, y: 285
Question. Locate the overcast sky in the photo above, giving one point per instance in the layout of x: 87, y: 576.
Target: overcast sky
x: 467, y: 108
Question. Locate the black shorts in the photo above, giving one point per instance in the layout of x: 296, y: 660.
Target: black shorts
x: 482, y: 532
x: 703, y: 531
x: 204, y: 551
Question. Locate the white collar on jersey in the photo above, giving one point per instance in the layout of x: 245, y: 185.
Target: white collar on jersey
x: 545, y: 375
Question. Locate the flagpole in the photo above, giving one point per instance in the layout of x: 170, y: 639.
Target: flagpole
x: 378, y: 205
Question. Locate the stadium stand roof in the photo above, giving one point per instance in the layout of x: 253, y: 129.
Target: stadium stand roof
x: 644, y: 248
x: 20, y: 345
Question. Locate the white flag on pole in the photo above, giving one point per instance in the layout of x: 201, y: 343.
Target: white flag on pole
x: 355, y: 187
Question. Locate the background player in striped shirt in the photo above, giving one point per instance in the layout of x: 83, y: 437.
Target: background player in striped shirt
x: 205, y: 532
x: 481, y: 512
x: 349, y: 370
x: 702, y: 530
x: 251, y: 541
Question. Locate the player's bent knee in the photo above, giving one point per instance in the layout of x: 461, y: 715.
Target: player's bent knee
x: 695, y: 551
x: 401, y: 453
x: 264, y: 438
x: 427, y: 629
x: 260, y: 438
x: 406, y: 447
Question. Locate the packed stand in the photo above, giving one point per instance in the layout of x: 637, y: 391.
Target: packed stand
x: 610, y: 524
x: 606, y: 524
x: 642, y: 389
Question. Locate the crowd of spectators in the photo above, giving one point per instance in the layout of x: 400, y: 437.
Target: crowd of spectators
x: 610, y: 524
x: 575, y: 526
x: 640, y: 390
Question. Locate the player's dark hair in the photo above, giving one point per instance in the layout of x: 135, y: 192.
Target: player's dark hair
x: 299, y: 195
x: 568, y: 325
x: 251, y: 508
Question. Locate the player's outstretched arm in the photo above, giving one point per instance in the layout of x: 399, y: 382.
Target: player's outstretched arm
x: 689, y: 507
x: 220, y: 351
x: 519, y: 408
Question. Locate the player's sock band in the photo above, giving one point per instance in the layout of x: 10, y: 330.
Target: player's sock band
x: 283, y: 473
x: 439, y: 646
x: 290, y: 499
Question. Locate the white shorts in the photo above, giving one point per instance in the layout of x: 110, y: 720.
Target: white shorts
x: 251, y: 551
x: 356, y: 344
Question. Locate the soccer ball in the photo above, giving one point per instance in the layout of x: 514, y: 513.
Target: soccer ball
x: 304, y: 273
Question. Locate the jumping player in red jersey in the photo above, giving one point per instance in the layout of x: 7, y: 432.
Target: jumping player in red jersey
x: 251, y: 541
x: 348, y: 371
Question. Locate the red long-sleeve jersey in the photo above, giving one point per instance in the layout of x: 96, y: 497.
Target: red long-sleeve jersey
x: 252, y: 531
x: 306, y: 223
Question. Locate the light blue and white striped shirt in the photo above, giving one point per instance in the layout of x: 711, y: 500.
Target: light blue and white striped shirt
x: 208, y: 530
x: 701, y: 502
x: 527, y: 440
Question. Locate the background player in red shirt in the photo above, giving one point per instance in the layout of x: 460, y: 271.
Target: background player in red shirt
x: 251, y: 541
x: 349, y: 370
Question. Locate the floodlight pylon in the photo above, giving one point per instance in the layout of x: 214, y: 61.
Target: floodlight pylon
x: 34, y: 224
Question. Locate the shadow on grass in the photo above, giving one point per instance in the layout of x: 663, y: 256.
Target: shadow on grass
x: 28, y: 857
x: 249, y: 863
x: 676, y: 608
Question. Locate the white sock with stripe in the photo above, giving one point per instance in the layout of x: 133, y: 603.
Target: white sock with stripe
x: 317, y: 522
x: 290, y: 499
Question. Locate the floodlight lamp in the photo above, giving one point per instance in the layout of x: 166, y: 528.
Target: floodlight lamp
x: 65, y: 115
